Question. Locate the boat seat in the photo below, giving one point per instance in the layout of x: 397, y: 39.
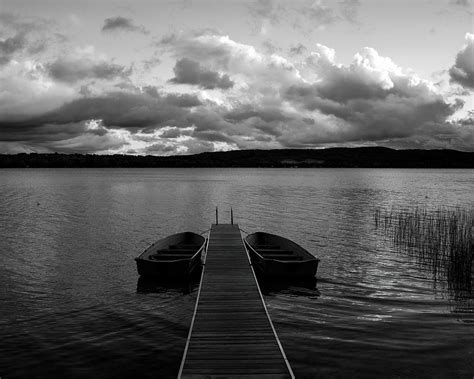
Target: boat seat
x: 272, y: 247
x: 281, y: 257
x: 168, y: 257
x: 272, y: 251
x: 176, y: 251
x: 184, y: 246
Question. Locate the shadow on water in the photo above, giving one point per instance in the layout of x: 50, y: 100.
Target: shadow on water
x: 305, y: 287
x: 184, y: 285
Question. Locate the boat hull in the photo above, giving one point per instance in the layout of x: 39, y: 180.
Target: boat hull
x: 275, y: 268
x: 173, y: 269
x: 305, y: 267
x: 170, y: 258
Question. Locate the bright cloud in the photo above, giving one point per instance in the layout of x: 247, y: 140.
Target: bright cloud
x: 462, y: 71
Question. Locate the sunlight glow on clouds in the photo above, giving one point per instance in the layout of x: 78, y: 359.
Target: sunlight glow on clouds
x: 212, y: 92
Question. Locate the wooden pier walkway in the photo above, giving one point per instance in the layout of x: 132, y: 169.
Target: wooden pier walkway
x: 231, y: 334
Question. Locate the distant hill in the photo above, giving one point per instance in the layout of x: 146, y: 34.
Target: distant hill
x: 376, y: 157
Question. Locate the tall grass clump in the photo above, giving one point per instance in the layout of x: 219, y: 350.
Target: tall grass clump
x: 442, y: 239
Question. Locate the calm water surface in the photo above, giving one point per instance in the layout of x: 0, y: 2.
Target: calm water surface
x: 72, y: 306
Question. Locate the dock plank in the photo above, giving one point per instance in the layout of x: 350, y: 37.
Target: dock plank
x: 231, y: 333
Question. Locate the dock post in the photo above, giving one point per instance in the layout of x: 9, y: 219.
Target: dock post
x: 217, y: 217
x: 231, y: 216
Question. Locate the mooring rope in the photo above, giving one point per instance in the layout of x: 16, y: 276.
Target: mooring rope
x: 242, y: 230
x: 205, y: 231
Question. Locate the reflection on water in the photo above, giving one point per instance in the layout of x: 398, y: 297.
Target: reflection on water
x: 164, y: 285
x: 72, y: 306
x: 288, y: 287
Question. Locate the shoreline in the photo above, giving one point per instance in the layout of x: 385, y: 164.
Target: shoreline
x: 362, y: 157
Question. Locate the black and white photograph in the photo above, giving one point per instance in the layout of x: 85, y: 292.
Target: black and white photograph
x: 236, y: 189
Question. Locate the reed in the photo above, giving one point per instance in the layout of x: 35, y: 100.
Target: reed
x: 441, y: 239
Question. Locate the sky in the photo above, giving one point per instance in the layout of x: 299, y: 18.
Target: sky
x: 169, y: 77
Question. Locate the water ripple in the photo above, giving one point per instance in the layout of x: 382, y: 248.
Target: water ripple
x: 72, y: 306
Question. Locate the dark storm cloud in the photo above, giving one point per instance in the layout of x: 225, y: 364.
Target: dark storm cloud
x: 171, y: 133
x: 120, y: 23
x: 98, y: 123
x: 188, y: 71
x: 208, y: 119
x: 71, y: 70
x: 375, y: 115
x: 125, y: 110
x: 247, y: 111
x: 66, y: 138
x: 308, y: 96
x: 41, y: 133
x: 462, y: 72
x: 134, y: 111
x: 241, y: 125
x: 369, y: 100
x: 213, y: 136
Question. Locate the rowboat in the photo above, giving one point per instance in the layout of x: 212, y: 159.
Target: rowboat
x: 174, y: 256
x: 276, y: 256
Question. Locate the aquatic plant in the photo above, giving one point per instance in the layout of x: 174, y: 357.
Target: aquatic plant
x: 440, y: 239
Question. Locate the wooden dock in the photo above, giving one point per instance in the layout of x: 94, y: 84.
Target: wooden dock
x: 231, y: 333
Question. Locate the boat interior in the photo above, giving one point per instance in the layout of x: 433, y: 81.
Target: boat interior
x: 176, y: 251
x: 276, y: 252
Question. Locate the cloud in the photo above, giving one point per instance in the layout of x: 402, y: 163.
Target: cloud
x: 134, y: 111
x: 72, y: 70
x: 304, y: 15
x: 370, y: 99
x: 462, y: 72
x: 82, y: 101
x: 120, y: 23
x: 172, y: 132
x: 350, y: 10
x: 127, y: 110
x: 250, y: 69
x: 298, y: 49
x: 11, y: 45
x: 82, y: 137
x: 21, y: 35
x: 318, y: 13
x: 265, y: 12
x: 27, y: 90
x: 188, y: 71
x: 462, y: 3
x: 111, y: 122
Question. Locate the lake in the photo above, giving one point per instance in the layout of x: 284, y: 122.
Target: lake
x: 72, y: 305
